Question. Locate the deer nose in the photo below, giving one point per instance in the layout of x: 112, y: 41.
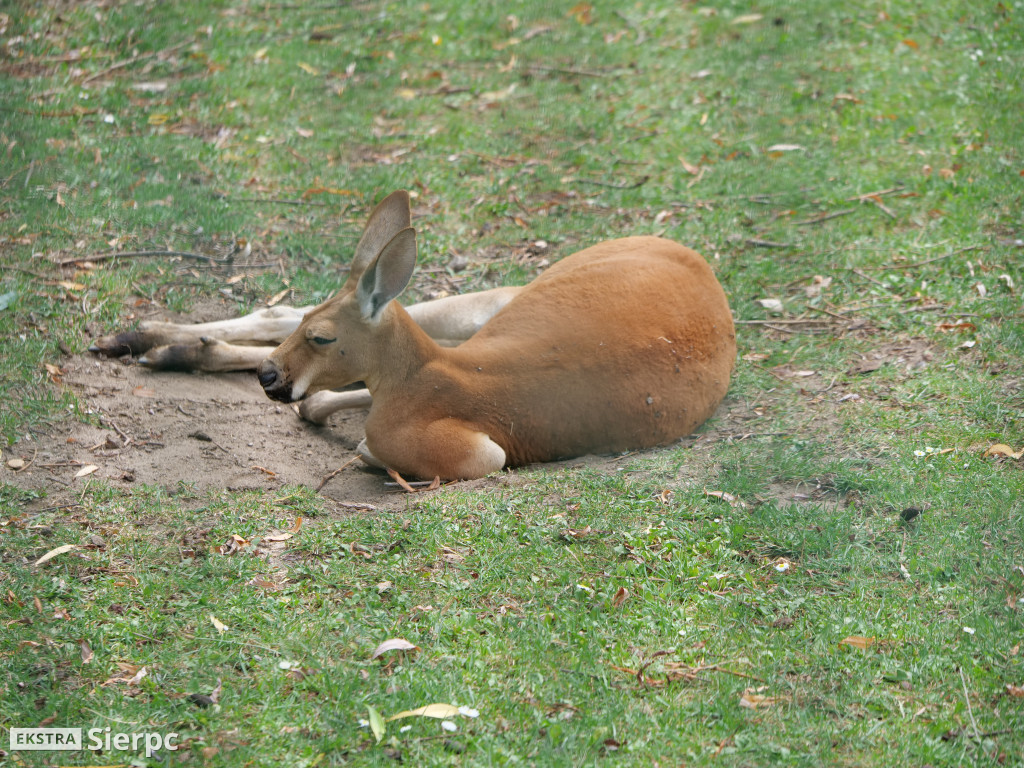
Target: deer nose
x: 268, y: 374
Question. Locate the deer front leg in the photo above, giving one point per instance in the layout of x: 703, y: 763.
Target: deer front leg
x: 319, y: 406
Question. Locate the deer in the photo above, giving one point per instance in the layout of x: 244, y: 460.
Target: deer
x: 627, y: 344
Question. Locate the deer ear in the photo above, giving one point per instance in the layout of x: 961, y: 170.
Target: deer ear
x: 390, y: 217
x: 387, y: 275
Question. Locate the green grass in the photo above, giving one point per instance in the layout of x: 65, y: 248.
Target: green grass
x: 538, y: 603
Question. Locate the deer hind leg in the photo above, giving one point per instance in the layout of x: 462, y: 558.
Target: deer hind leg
x: 267, y: 326
x: 446, y: 448
x: 453, y: 319
x: 208, y: 354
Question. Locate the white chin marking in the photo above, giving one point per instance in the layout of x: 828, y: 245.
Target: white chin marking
x: 299, y: 387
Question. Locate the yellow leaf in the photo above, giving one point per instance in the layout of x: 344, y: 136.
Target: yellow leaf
x: 857, y: 641
x: 754, y: 699
x: 307, y: 68
x: 221, y: 627
x: 439, y: 711
x: 582, y: 12
x: 747, y: 18
x: 158, y: 118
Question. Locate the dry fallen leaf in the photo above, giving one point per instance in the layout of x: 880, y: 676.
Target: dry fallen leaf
x: 278, y: 536
x: 232, y: 545
x: 621, y: 595
x: 87, y: 654
x: 129, y: 674
x: 88, y: 469
x: 394, y: 644
x: 54, y: 552
x: 575, y: 534
x: 752, y: 698
x: 1017, y: 691
x: 963, y: 327
x: 221, y: 626
x: 1001, y: 449
x: 857, y: 641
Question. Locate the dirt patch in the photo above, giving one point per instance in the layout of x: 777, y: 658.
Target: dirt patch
x: 207, y: 431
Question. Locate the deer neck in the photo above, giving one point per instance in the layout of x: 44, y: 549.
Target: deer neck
x: 401, y: 349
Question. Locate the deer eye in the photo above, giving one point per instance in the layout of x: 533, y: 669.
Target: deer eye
x: 320, y: 341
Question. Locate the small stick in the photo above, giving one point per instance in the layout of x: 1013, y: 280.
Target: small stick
x: 929, y: 261
x: 807, y: 321
x: 275, y: 200
x: 967, y: 698
x: 879, y: 193
x: 132, y: 60
x: 826, y: 217
x: 869, y: 278
x: 881, y: 206
x: 146, y: 254
x: 414, y: 487
x: 30, y: 462
x: 717, y: 668
x: 25, y: 271
x: 566, y: 71
x: 758, y: 243
x: 829, y: 312
x: 335, y: 473
x: 643, y: 180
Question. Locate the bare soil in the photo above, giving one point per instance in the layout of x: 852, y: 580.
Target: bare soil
x: 206, y: 431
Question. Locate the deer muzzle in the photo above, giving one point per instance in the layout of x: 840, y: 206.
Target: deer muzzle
x: 273, y: 382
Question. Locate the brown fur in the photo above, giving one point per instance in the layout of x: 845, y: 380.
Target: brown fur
x: 626, y: 344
